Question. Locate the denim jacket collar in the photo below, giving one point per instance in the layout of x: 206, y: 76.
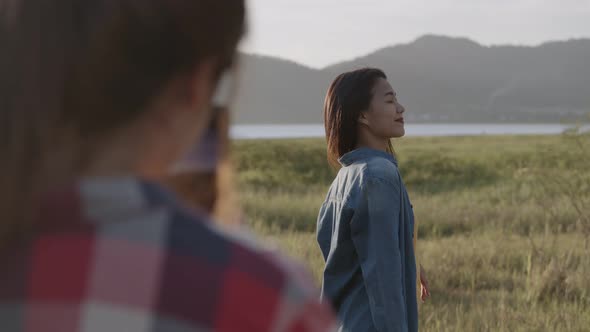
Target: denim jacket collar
x: 364, y: 153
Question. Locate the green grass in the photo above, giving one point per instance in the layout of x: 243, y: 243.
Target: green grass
x: 503, y: 222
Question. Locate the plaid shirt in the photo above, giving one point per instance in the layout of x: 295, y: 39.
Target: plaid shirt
x: 122, y: 255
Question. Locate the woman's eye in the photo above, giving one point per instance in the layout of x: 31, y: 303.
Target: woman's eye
x: 390, y: 101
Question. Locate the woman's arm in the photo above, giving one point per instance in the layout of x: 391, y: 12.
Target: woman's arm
x: 375, y: 233
x: 422, y: 280
x: 424, y: 287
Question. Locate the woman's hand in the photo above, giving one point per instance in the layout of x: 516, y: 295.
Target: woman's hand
x: 424, y: 288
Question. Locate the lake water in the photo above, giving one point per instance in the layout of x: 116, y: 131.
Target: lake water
x: 310, y: 131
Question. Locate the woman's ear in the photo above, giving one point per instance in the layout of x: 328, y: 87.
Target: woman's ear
x: 363, y: 119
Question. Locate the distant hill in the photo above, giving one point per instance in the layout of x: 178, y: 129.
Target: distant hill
x: 438, y: 79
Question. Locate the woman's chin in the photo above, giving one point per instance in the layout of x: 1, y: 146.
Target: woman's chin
x: 399, y: 132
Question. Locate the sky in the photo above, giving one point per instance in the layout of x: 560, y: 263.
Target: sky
x: 318, y: 33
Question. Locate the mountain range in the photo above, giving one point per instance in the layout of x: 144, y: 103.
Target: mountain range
x: 438, y: 79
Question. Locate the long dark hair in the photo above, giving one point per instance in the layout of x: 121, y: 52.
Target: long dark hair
x: 85, y: 68
x: 348, y: 95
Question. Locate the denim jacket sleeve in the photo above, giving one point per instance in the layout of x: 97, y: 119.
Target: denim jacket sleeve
x: 375, y: 234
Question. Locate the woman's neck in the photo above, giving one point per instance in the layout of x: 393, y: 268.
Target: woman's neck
x: 369, y: 141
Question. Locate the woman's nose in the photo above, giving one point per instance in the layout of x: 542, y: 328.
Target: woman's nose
x: 400, y: 108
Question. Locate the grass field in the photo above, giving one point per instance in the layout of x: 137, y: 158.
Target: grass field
x: 503, y: 222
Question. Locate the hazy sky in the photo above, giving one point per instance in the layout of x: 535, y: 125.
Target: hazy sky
x: 321, y: 32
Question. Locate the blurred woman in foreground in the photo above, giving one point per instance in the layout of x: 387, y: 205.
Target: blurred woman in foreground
x: 98, y: 100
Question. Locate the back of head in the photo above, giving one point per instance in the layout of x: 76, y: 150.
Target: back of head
x: 74, y: 71
x: 348, y: 95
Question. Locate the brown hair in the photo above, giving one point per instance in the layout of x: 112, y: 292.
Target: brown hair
x: 91, y: 66
x: 348, y: 95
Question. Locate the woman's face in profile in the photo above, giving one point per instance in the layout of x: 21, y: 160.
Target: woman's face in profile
x: 385, y: 116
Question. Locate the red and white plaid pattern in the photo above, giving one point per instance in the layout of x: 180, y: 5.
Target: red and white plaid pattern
x: 122, y: 255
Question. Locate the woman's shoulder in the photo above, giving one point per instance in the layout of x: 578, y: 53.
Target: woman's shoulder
x: 380, y: 168
x: 364, y: 170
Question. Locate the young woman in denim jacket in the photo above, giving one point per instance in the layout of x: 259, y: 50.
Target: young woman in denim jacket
x: 366, y: 225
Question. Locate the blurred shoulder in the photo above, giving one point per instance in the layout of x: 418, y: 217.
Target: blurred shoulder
x: 274, y: 291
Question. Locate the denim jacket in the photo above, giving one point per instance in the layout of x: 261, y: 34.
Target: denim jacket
x: 365, y: 232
